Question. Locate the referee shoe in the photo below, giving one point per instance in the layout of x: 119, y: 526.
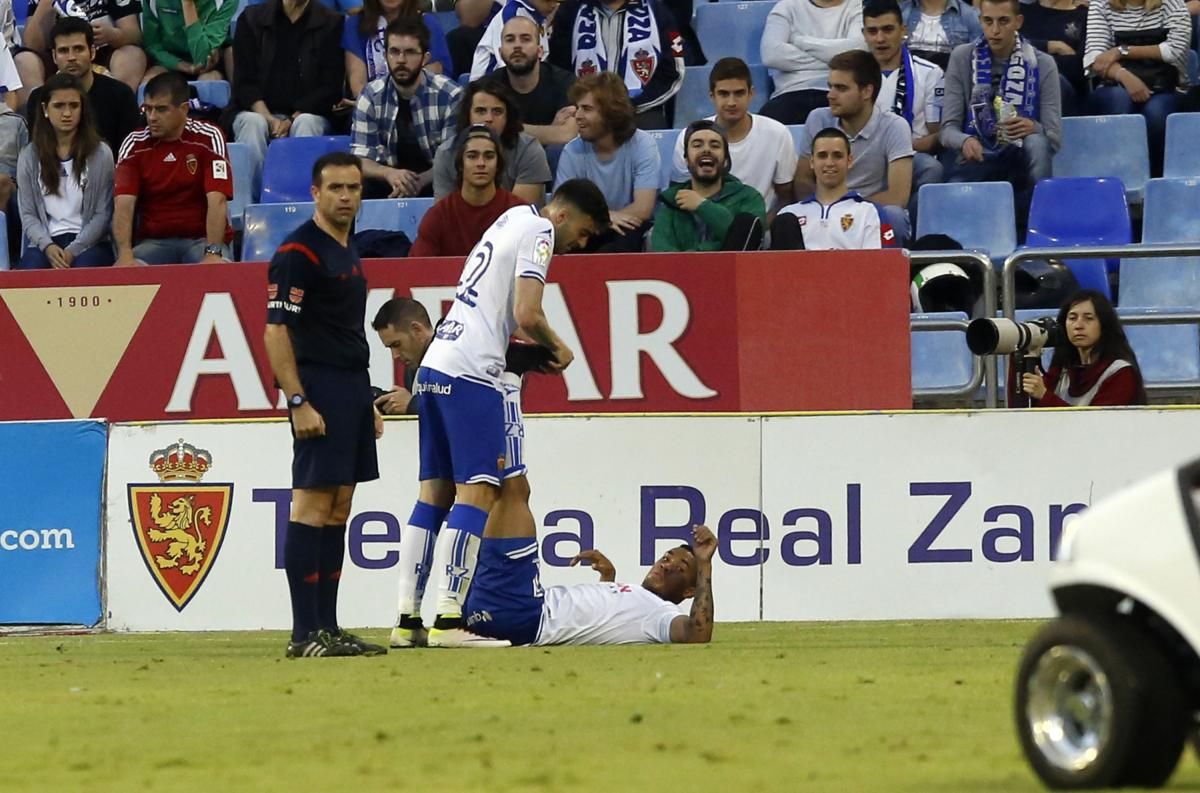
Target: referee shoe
x: 319, y: 644
x: 361, y: 647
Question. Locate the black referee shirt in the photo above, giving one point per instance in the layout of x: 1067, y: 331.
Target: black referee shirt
x: 317, y: 288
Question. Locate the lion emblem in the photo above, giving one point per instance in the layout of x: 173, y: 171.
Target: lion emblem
x: 178, y: 527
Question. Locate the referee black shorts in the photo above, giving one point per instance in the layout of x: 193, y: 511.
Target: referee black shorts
x: 345, y: 454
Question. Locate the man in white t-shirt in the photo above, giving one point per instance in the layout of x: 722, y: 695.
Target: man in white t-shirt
x: 507, y: 600
x: 834, y: 218
x: 762, y: 149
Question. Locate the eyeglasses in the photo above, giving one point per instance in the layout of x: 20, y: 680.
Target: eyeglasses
x: 407, y: 55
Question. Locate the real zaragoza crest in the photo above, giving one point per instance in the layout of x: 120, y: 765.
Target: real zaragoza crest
x: 179, y: 523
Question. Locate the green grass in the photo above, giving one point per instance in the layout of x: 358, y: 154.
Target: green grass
x: 766, y: 707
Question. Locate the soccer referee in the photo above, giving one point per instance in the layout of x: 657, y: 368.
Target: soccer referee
x: 316, y: 302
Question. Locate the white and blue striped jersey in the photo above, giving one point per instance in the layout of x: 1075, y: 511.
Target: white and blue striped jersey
x: 471, y: 341
x: 850, y: 223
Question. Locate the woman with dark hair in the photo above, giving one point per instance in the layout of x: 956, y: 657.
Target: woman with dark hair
x: 1096, y: 367
x: 526, y: 171
x: 365, y: 45
x: 66, y: 178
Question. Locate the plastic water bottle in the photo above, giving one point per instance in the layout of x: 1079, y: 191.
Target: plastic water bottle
x: 1004, y: 112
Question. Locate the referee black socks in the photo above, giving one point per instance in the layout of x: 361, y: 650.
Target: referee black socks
x: 302, y: 563
x: 333, y: 553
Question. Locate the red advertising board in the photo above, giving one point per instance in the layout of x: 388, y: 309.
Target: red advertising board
x: 652, y: 333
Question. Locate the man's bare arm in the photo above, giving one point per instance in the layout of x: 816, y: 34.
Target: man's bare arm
x: 697, y: 627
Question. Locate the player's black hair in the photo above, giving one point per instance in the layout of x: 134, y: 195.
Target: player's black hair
x: 398, y: 312
x: 412, y: 26
x: 170, y: 84
x: 880, y: 8
x: 587, y: 198
x: 339, y: 159
x: 833, y: 132
x: 863, y: 69
x: 71, y: 26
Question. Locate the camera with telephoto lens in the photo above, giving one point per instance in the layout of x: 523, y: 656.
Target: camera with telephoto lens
x: 1005, y: 337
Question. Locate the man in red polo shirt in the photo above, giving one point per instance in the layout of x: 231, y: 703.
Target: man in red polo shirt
x: 175, y: 177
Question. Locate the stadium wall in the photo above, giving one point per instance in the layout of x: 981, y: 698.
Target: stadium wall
x: 859, y: 516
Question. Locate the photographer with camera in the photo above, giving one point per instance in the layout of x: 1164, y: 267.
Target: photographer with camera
x: 1096, y: 366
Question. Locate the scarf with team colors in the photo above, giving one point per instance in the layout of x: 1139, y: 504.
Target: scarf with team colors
x: 638, y: 57
x: 1018, y: 85
x: 902, y: 105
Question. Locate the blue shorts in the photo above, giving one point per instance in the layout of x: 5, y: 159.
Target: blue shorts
x: 345, y: 454
x: 461, y: 429
x: 506, y: 595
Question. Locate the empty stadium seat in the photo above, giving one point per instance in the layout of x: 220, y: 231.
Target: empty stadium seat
x: 665, y: 139
x: 1071, y: 212
x: 266, y: 226
x: 797, y: 131
x: 1171, y: 214
x: 940, y: 358
x: 243, y: 182
x: 448, y: 20
x: 1182, y: 154
x: 732, y: 29
x: 393, y: 214
x: 979, y: 215
x: 287, y: 172
x: 692, y: 101
x: 1168, y: 355
x: 1106, y: 146
x: 214, y: 92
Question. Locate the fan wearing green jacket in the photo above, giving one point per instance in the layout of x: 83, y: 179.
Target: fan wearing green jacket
x: 189, y: 36
x: 713, y: 211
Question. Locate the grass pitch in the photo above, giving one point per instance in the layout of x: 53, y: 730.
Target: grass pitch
x: 766, y: 707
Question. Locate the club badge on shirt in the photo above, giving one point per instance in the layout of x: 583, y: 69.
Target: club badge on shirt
x: 192, y: 164
x: 847, y: 221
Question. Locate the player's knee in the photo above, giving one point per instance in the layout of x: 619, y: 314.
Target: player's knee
x: 437, y: 492
x: 515, y: 490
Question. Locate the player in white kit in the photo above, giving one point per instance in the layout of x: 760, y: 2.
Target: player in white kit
x: 461, y: 408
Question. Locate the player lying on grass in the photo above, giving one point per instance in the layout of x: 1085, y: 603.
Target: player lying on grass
x: 507, y: 601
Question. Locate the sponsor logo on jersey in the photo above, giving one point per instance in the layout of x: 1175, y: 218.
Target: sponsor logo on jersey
x: 541, y: 252
x: 170, y: 157
x: 220, y: 169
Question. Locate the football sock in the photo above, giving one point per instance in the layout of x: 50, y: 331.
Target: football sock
x: 416, y: 556
x: 464, y: 526
x: 333, y: 553
x: 302, y: 563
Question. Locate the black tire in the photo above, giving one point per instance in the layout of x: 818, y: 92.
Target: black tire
x: 1108, y: 701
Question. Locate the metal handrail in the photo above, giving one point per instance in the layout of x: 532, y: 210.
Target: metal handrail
x: 983, y: 264
x: 922, y: 325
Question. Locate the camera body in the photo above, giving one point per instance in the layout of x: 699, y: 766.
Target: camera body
x: 1006, y: 337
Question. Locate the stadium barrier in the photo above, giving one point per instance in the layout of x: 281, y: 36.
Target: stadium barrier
x: 51, y: 490
x: 714, y: 332
x: 839, y: 516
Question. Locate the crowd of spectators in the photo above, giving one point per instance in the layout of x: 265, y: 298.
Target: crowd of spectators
x: 919, y: 92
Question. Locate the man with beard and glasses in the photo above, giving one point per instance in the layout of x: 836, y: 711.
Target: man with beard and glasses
x: 539, y: 88
x: 714, y: 211
x: 401, y: 119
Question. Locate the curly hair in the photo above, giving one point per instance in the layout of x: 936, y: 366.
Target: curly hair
x: 512, y: 114
x: 612, y: 100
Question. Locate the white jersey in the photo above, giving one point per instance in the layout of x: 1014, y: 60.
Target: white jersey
x: 850, y: 223
x: 472, y: 339
x: 605, y: 613
x: 927, y: 95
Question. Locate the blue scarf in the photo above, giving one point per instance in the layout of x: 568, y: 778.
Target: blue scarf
x: 638, y: 59
x: 1018, y: 87
x: 902, y: 103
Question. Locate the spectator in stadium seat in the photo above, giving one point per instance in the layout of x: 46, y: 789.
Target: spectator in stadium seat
x: 114, y: 104
x: 880, y: 141
x: 936, y: 27
x: 800, y: 39
x: 619, y: 158
x: 539, y: 87
x: 289, y: 66
x: 66, y: 174
x: 1097, y: 367
x: 173, y: 175
x: 762, y: 149
x: 14, y: 131
x: 473, y: 18
x: 1059, y: 28
x: 364, y: 41
x: 912, y: 88
x: 526, y: 172
x: 190, y: 37
x: 650, y: 61
x: 454, y: 225
x: 1002, y: 65
x: 116, y: 34
x: 402, y: 118
x: 1138, y: 55
x: 487, y: 53
x: 833, y: 217
x: 713, y: 210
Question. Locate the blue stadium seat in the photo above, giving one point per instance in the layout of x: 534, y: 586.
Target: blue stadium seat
x: 4, y: 263
x: 979, y: 215
x: 267, y: 225
x: 692, y: 101
x: 665, y: 139
x: 214, y: 92
x: 393, y: 214
x: 1183, y: 153
x: 1171, y: 214
x: 732, y: 29
x: 1056, y: 220
x: 243, y: 182
x: 1168, y: 355
x: 287, y: 172
x: 940, y: 358
x: 1106, y: 146
x: 797, y: 131
x: 449, y: 21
